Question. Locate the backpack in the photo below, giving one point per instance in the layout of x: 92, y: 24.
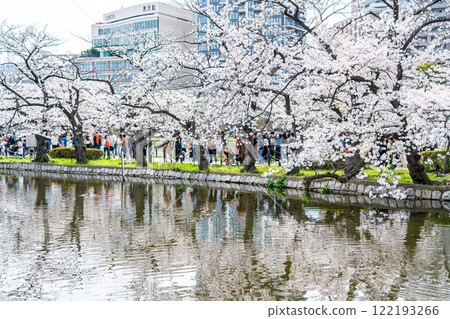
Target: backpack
x: 107, y: 145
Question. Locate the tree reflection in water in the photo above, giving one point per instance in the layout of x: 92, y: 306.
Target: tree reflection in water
x: 103, y: 240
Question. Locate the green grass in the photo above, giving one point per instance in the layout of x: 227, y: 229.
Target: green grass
x: 372, y: 175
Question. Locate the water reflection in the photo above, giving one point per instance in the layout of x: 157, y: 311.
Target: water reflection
x: 69, y: 240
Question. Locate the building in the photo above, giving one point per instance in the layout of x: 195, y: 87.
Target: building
x: 121, y: 27
x: 440, y: 9
x: 246, y: 10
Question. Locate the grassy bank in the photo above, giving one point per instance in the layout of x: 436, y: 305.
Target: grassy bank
x: 372, y: 175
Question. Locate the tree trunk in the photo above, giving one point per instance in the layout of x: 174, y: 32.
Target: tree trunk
x: 202, y: 160
x: 353, y: 165
x: 80, y: 149
x: 249, y: 162
x: 446, y: 156
x: 41, y: 155
x: 149, y: 150
x: 416, y: 169
x: 250, y: 156
x: 140, y: 143
x: 294, y: 170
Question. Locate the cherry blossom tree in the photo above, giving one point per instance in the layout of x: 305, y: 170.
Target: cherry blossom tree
x: 352, y: 92
x: 365, y: 90
x: 49, y: 90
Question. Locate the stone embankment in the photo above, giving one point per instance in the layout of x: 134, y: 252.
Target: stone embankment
x: 358, y: 192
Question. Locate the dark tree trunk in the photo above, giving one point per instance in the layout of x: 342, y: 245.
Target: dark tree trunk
x: 446, y: 156
x: 294, y: 170
x: 80, y: 149
x: 249, y: 161
x: 416, y: 169
x: 202, y: 160
x: 41, y: 154
x: 353, y: 165
x: 140, y: 143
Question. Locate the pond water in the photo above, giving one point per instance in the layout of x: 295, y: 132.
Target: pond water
x: 77, y: 240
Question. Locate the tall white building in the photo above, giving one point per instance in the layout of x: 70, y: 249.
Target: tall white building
x: 120, y: 27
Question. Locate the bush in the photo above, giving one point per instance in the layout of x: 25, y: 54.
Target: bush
x: 434, y: 159
x: 69, y: 152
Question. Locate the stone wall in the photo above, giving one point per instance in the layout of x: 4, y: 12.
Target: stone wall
x: 357, y: 188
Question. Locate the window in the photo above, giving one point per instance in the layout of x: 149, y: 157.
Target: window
x: 129, y: 66
x: 85, y: 66
x: 130, y: 27
x: 100, y: 66
x: 116, y: 65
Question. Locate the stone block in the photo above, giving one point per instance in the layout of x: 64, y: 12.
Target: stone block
x: 409, y: 192
x: 368, y: 189
x: 360, y: 189
x: 331, y: 185
x: 353, y: 187
x: 314, y: 185
x: 426, y: 194
x: 345, y: 187
x: 418, y: 193
x: 446, y: 196
x: 436, y: 195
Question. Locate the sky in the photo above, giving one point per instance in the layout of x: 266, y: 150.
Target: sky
x: 69, y: 20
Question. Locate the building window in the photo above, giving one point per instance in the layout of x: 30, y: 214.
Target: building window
x: 116, y: 65
x: 100, y: 66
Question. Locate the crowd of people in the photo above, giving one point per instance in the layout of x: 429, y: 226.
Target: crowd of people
x: 230, y: 150
x: 11, y: 145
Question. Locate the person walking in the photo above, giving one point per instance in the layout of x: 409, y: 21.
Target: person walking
x: 106, y: 148
x: 124, y: 146
x: 278, y: 141
x: 179, y: 148
x: 132, y: 146
x: 212, y: 149
x: 260, y: 147
x: 240, y: 150
x: 54, y: 141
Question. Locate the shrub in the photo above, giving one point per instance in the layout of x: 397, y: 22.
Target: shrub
x: 278, y: 185
x: 69, y: 152
x: 435, y: 159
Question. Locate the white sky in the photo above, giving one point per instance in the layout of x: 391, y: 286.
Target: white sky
x: 66, y: 19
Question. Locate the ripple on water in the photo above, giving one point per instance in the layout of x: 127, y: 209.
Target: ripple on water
x: 107, y: 241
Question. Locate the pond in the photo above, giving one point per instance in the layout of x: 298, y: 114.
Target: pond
x: 94, y: 240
